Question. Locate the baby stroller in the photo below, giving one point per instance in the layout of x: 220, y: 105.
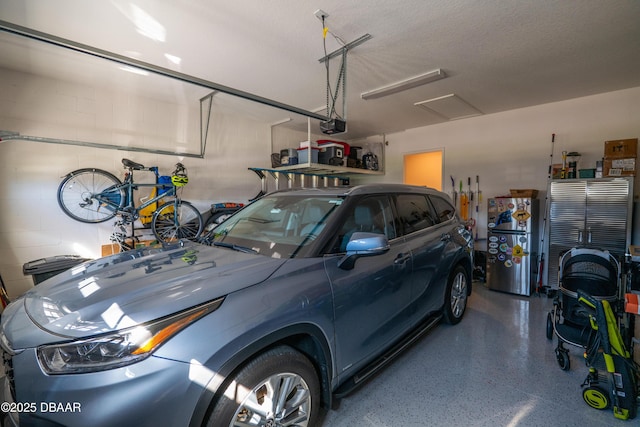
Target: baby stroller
x: 606, y: 350
x: 593, y: 271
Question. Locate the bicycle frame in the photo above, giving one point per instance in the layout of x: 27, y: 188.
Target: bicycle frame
x: 128, y: 187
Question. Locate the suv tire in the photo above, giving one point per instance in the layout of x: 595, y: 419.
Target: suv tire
x: 277, y: 387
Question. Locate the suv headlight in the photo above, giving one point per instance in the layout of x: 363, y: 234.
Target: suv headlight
x: 117, y: 349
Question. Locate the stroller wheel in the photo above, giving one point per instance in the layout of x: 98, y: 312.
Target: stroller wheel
x: 549, y: 326
x: 563, y: 359
x: 596, y: 397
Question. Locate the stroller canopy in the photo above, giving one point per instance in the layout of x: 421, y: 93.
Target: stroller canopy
x: 590, y: 270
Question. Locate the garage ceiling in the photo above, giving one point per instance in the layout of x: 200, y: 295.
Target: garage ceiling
x: 496, y: 55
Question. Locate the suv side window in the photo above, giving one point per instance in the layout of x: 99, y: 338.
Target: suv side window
x: 414, y: 212
x: 444, y: 210
x: 371, y: 214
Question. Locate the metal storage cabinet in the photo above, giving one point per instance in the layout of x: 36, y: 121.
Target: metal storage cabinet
x: 595, y: 213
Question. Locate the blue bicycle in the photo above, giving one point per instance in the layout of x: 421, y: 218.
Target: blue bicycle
x: 93, y: 195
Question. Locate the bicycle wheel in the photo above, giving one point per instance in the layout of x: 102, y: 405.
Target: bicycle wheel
x: 215, y: 219
x: 176, y: 220
x: 91, y: 195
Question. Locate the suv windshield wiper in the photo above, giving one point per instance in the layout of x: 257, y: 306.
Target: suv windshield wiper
x: 235, y: 247
x: 259, y: 220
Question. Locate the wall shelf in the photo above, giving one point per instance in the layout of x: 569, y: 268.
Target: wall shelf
x: 307, y: 175
x: 322, y: 169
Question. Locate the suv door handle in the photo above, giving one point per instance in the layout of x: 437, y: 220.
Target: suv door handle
x: 445, y: 237
x: 402, y: 258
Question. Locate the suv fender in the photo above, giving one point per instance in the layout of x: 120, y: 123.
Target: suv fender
x: 306, y: 338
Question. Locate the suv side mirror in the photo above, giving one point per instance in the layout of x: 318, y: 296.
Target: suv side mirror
x: 363, y: 244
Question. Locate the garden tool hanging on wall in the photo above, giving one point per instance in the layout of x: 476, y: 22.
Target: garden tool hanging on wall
x: 454, y: 193
x: 464, y: 204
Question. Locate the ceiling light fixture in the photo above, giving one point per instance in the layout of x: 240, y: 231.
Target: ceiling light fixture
x: 400, y: 86
x: 449, y: 107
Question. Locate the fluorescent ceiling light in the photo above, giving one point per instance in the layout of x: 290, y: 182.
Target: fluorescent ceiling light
x: 449, y: 107
x: 416, y: 81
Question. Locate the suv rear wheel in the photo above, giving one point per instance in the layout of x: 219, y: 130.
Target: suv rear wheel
x: 278, y: 388
x: 455, y: 299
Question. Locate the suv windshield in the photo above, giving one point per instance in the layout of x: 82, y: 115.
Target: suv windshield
x: 279, y: 225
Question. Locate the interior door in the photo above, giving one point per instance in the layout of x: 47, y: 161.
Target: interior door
x: 424, y: 169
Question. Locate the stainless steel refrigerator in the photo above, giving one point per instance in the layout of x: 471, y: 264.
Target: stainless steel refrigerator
x: 512, y: 244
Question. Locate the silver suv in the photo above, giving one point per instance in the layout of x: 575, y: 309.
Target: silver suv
x: 296, y: 299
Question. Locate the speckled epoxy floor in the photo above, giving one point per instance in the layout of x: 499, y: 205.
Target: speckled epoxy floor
x: 495, y: 368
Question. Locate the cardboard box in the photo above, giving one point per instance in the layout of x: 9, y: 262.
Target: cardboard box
x: 524, y: 193
x: 619, y: 167
x: 634, y: 251
x: 114, y: 248
x: 621, y: 148
x: 110, y: 249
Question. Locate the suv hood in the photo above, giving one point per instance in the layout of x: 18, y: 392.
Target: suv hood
x: 133, y: 287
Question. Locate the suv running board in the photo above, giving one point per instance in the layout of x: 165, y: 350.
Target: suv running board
x: 368, y: 371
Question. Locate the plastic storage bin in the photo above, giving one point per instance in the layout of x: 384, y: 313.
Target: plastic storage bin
x: 303, y: 155
x: 288, y: 157
x: 42, y: 269
x: 587, y: 173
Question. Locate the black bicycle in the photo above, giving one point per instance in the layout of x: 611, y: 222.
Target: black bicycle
x: 93, y: 195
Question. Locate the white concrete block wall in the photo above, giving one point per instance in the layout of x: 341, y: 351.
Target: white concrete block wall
x: 512, y: 149
x: 32, y: 225
x: 507, y: 150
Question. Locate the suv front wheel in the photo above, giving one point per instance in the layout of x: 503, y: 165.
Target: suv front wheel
x: 278, y: 388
